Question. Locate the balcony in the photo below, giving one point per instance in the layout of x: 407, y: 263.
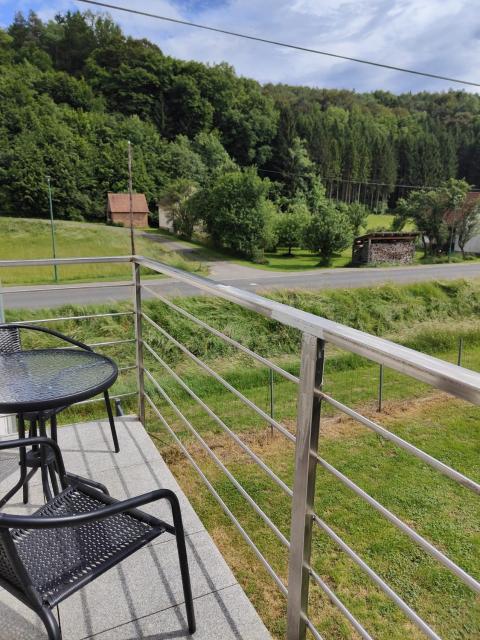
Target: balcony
x: 142, y: 599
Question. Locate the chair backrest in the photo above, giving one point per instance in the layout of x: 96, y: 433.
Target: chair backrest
x: 10, y: 340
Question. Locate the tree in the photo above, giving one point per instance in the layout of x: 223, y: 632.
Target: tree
x: 468, y: 222
x: 291, y: 225
x: 176, y: 198
x: 329, y: 231
x: 235, y: 211
x: 358, y: 215
x: 428, y: 210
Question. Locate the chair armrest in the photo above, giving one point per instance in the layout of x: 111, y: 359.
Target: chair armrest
x: 92, y: 483
x: 43, y: 441
x: 50, y: 332
x: 40, y: 522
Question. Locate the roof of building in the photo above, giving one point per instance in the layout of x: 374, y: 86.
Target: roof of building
x: 120, y: 203
x: 455, y: 215
x: 385, y: 236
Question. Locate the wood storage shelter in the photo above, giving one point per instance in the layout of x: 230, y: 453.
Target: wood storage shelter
x: 384, y: 246
x: 118, y: 209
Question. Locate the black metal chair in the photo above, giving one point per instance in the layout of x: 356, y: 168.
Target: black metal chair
x: 10, y: 342
x: 76, y: 537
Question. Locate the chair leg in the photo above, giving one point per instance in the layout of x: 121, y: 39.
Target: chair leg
x: 51, y: 624
x: 183, y: 560
x: 111, y: 421
x: 47, y: 492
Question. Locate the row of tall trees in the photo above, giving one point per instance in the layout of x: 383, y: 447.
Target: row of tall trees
x: 75, y: 88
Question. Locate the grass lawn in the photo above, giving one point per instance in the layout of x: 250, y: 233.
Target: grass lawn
x: 22, y: 238
x: 431, y: 317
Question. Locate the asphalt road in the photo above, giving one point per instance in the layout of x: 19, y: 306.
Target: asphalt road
x: 242, y: 277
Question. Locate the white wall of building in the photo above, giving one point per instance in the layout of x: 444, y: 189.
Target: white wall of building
x: 472, y: 246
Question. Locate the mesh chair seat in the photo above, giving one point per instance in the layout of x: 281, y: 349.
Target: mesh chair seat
x: 60, y: 561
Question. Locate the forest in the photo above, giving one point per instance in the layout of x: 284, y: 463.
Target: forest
x: 74, y: 90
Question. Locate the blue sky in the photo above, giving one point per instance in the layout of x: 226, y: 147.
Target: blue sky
x: 439, y: 36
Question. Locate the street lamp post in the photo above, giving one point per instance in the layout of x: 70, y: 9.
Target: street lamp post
x: 52, y: 227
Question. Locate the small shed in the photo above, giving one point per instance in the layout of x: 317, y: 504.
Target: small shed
x: 384, y: 246
x: 118, y: 209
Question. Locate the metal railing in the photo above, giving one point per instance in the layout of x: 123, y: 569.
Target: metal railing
x: 316, y: 333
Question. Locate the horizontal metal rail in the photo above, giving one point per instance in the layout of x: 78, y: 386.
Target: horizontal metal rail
x: 399, y: 524
x: 221, y: 380
x: 109, y: 343
x: 438, y: 373
x: 102, y: 399
x: 218, y: 462
x: 217, y: 497
x: 220, y: 422
x: 48, y: 262
x: 414, y: 617
x: 83, y: 317
x: 267, y: 363
x: 339, y: 604
x: 66, y: 287
x: 388, y: 435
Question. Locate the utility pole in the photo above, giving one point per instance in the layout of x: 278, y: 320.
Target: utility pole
x: 130, y: 195
x: 52, y: 228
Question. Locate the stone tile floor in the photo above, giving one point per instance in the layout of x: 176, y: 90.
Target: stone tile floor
x: 142, y: 597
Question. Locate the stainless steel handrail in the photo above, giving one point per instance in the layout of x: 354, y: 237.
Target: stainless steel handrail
x: 438, y: 373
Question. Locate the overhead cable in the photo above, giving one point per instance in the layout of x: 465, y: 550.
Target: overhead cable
x: 286, y: 45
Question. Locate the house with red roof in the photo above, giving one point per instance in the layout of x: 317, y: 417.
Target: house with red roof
x: 118, y: 209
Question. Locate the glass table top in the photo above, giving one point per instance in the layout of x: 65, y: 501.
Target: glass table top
x: 46, y: 378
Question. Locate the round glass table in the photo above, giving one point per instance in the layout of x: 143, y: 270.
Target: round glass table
x: 47, y: 378
x: 35, y: 381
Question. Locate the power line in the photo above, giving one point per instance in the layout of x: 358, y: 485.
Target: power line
x: 279, y: 44
x: 360, y: 182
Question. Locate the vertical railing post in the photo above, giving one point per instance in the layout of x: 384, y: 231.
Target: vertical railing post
x: 272, y: 399
x: 139, y: 341
x: 460, y: 351
x: 380, y: 389
x: 308, y: 427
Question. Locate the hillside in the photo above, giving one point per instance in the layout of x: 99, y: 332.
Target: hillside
x: 74, y: 89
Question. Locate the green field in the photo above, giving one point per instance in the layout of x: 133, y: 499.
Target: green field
x: 26, y: 239
x: 431, y: 317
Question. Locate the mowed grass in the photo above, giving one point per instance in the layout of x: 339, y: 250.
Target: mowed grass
x: 27, y: 239
x: 431, y: 317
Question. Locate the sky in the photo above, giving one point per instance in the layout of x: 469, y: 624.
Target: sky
x: 438, y: 36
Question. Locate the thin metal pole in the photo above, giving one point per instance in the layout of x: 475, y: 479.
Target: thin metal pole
x: 52, y: 228
x: 308, y: 427
x: 460, y: 351
x: 272, y: 399
x: 139, y: 342
x: 130, y: 197
x: 380, y: 389
x: 2, y: 308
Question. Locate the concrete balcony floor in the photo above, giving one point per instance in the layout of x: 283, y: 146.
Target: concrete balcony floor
x: 142, y: 597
